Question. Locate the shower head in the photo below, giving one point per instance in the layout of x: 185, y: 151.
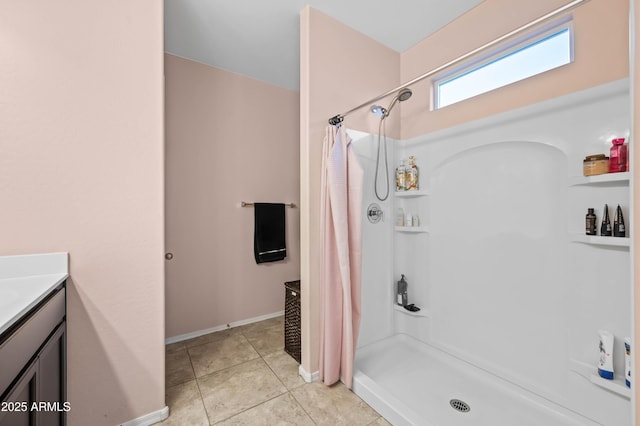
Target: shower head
x: 402, y: 96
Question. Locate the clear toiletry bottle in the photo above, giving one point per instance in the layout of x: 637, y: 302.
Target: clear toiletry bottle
x: 400, y: 217
x: 408, y: 220
x: 401, y: 292
x: 590, y: 222
x: 411, y: 175
x: 400, y: 176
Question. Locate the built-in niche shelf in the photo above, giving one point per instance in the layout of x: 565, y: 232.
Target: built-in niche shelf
x: 411, y: 194
x: 590, y: 373
x: 601, y: 241
x: 412, y: 229
x: 621, y: 178
x: 421, y: 313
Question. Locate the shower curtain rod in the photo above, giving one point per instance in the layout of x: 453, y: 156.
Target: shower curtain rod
x: 337, y: 119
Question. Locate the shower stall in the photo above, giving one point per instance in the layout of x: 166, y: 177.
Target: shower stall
x: 511, y: 292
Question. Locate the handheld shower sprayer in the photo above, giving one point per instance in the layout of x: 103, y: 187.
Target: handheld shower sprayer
x: 383, y: 113
x: 402, y: 96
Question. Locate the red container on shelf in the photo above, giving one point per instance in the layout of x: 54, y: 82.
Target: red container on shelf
x: 618, y: 156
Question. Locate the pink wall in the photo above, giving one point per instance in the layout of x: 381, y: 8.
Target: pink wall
x: 339, y: 68
x: 601, y: 55
x: 81, y: 171
x: 229, y: 139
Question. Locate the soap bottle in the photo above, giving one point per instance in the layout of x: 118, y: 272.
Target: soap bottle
x: 408, y: 220
x: 618, y: 156
x: 618, y: 223
x: 605, y: 228
x: 400, y: 217
x: 591, y: 222
x: 627, y: 361
x: 401, y: 176
x: 411, y: 175
x: 401, y: 292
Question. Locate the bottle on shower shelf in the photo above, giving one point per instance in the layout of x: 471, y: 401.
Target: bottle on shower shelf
x: 400, y: 217
x: 618, y: 156
x: 590, y: 222
x: 400, y: 176
x: 618, y: 223
x: 408, y: 221
x: 401, y: 292
x: 605, y: 228
x: 411, y: 175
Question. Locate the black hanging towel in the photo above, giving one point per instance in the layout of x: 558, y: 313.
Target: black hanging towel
x: 268, y: 234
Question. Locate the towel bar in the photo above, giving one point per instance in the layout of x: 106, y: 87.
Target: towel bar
x: 245, y: 204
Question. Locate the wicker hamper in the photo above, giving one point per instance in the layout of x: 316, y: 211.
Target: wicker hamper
x: 292, y: 337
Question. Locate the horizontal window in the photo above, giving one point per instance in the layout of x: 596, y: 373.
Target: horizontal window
x: 531, y: 56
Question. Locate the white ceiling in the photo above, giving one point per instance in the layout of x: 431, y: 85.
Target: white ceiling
x: 260, y: 38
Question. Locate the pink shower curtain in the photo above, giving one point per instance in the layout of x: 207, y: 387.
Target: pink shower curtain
x: 341, y: 228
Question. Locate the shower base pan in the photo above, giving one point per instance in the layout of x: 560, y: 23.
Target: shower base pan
x: 412, y: 383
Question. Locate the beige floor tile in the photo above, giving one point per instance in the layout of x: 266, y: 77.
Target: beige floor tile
x: 283, y: 410
x: 261, y: 325
x: 177, y: 367
x: 214, y: 356
x: 286, y: 368
x: 185, y: 406
x: 211, y: 337
x: 380, y: 422
x: 236, y: 386
x: 266, y: 340
x: 174, y: 347
x: 231, y: 391
x: 334, y: 405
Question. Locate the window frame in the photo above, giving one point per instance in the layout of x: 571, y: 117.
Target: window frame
x: 507, y: 49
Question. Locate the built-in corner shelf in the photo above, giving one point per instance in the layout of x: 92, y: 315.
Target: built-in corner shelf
x: 601, y: 241
x: 620, y: 178
x: 412, y: 229
x: 590, y: 373
x: 616, y: 385
x: 421, y: 313
x: 411, y: 194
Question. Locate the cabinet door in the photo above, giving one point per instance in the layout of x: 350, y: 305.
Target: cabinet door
x: 52, y: 379
x: 16, y: 407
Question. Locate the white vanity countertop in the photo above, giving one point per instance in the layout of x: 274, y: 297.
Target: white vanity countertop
x: 27, y: 280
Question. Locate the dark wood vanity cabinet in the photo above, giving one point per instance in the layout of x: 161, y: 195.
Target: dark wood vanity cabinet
x: 33, y: 366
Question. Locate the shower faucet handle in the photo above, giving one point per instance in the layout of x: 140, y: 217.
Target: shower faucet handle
x: 374, y: 213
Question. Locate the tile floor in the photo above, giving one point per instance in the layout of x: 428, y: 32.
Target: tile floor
x: 242, y: 376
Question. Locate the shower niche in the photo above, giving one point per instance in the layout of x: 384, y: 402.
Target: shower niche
x: 412, y: 203
x: 411, y: 242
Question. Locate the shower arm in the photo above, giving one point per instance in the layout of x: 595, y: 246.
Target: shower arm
x: 337, y: 119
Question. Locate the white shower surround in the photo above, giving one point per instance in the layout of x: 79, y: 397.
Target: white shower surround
x: 503, y: 287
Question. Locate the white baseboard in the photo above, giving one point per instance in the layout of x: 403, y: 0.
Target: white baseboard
x: 308, y: 377
x: 199, y: 333
x: 149, y: 419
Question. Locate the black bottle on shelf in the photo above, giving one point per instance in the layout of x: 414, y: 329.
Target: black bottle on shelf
x: 605, y: 229
x: 618, y: 223
x: 590, y: 222
x: 401, y: 292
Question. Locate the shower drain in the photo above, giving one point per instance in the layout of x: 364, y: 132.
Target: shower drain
x: 458, y: 405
